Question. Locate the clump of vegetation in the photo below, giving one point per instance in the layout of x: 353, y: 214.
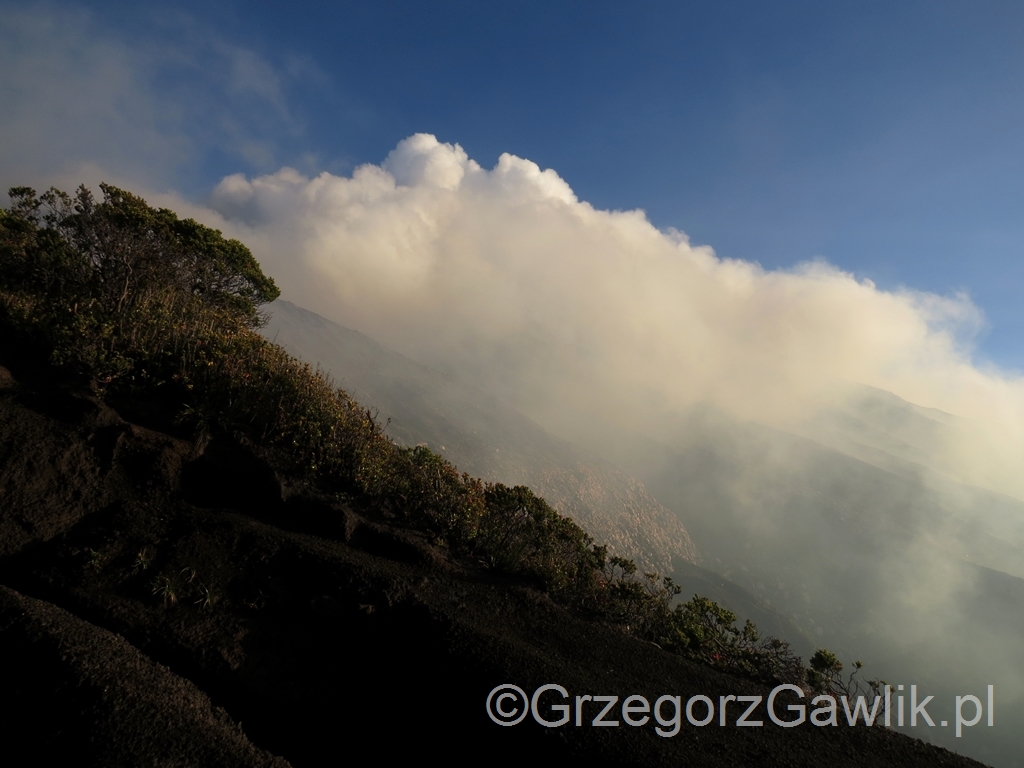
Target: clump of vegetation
x: 142, y: 302
x: 95, y: 559
x: 184, y: 587
x: 144, y: 559
x: 165, y: 588
x: 824, y: 675
x: 123, y: 290
x: 206, y: 597
x: 699, y: 629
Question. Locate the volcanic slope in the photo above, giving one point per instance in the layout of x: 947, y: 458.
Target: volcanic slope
x: 172, y: 602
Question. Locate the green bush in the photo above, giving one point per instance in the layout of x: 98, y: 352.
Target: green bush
x: 121, y: 289
x: 425, y: 489
x: 520, y: 533
x: 824, y: 675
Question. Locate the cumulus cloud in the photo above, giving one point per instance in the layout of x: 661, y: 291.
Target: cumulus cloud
x: 504, y: 277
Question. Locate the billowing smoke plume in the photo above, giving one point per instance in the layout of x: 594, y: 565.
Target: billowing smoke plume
x: 505, y: 278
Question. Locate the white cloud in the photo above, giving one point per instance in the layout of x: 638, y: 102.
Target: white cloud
x: 578, y: 315
x: 505, y: 278
x: 423, y: 160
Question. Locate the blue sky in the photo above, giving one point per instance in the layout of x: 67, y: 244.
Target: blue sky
x: 884, y: 138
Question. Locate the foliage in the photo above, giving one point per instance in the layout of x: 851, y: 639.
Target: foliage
x: 824, y: 675
x: 521, y: 533
x: 145, y: 303
x: 96, y: 559
x: 423, y: 488
x: 119, y: 288
x: 144, y: 559
x: 700, y: 629
x: 165, y: 588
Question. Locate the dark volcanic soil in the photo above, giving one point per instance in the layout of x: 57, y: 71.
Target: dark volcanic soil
x: 169, y: 606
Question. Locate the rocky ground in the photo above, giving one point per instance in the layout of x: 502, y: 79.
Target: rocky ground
x: 173, y: 602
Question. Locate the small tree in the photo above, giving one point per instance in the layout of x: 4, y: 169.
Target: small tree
x: 117, y: 284
x: 825, y: 675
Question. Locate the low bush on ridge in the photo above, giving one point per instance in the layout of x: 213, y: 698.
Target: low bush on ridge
x: 145, y: 303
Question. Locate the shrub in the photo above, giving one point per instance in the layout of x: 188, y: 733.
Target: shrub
x: 119, y: 288
x: 699, y: 629
x: 424, y: 489
x: 824, y: 675
x: 520, y: 533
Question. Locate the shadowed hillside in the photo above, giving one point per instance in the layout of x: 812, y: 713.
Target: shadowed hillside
x: 161, y: 604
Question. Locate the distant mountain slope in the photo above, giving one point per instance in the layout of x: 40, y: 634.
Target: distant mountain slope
x: 486, y: 438
x: 892, y: 434
x: 885, y: 430
x: 871, y: 554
